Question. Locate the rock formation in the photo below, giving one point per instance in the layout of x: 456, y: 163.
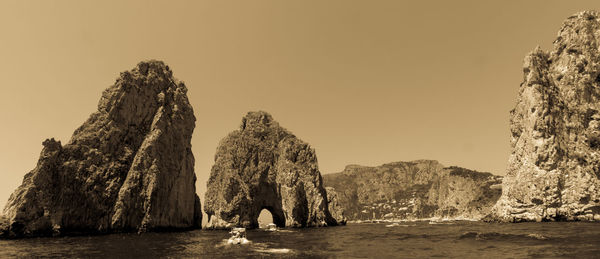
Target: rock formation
x: 414, y: 190
x: 4, y: 228
x: 129, y: 167
x: 554, y: 167
x: 263, y: 166
x: 335, y: 208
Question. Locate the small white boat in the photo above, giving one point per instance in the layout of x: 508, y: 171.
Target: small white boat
x: 392, y: 225
x: 271, y: 227
x: 238, y: 237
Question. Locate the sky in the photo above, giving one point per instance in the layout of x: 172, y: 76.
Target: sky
x: 364, y: 82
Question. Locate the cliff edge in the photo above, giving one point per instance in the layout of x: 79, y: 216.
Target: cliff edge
x: 554, y: 168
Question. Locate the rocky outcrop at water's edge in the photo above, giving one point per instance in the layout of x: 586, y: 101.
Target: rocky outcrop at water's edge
x: 263, y: 166
x: 554, y: 167
x: 129, y: 167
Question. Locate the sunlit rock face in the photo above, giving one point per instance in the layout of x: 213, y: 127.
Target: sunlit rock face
x: 263, y: 166
x: 554, y: 167
x: 129, y: 167
x: 413, y: 190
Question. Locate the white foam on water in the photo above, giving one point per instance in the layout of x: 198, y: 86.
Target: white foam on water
x: 274, y: 250
x: 537, y: 236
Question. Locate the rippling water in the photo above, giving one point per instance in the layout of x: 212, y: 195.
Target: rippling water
x: 407, y: 240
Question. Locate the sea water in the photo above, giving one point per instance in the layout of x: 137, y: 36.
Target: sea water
x: 402, y: 240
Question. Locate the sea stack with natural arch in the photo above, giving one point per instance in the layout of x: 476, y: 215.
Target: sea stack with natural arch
x: 263, y: 166
x: 554, y: 168
x: 129, y: 167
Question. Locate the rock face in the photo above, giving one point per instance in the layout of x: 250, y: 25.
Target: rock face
x: 554, y: 167
x: 4, y: 228
x: 129, y: 167
x: 414, y: 190
x: 263, y: 166
x: 335, y: 208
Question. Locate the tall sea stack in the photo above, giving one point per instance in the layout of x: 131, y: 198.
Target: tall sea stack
x: 554, y: 168
x: 129, y: 167
x: 263, y: 166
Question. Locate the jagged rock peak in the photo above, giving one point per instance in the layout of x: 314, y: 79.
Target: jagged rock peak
x: 254, y: 121
x: 553, y: 172
x: 263, y: 166
x: 129, y: 167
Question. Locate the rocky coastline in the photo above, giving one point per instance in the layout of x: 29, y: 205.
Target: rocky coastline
x: 129, y: 167
x: 416, y: 190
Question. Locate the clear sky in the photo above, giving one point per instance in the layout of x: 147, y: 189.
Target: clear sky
x: 364, y: 82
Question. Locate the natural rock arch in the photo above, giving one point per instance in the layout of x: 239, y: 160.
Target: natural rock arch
x: 262, y: 165
x: 277, y: 216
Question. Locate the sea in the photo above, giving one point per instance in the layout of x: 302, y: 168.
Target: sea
x: 461, y: 239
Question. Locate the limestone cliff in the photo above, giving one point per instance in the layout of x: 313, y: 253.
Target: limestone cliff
x: 414, y: 190
x: 263, y: 166
x: 554, y: 167
x: 335, y: 208
x: 129, y: 167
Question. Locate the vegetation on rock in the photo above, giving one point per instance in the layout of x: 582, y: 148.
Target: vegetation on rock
x: 413, y: 190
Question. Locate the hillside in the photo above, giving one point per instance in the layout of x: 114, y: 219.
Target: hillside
x: 413, y: 190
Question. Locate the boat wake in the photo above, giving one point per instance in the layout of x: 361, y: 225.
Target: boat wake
x: 273, y: 250
x: 400, y: 225
x: 265, y: 249
x: 440, y: 223
x: 501, y: 236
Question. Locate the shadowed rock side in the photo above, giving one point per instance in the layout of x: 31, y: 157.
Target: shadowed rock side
x: 263, y: 166
x: 3, y: 226
x: 414, y: 190
x: 129, y: 167
x: 335, y: 208
x: 554, y: 167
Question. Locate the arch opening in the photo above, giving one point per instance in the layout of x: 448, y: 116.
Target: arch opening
x: 264, y: 218
x: 267, y: 216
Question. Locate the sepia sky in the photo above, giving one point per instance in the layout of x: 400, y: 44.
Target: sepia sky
x: 364, y: 82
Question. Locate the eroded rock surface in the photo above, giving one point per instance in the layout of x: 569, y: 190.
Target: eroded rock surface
x: 335, y: 208
x: 129, y: 167
x: 263, y: 166
x: 554, y: 167
x: 414, y: 190
x: 4, y: 229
